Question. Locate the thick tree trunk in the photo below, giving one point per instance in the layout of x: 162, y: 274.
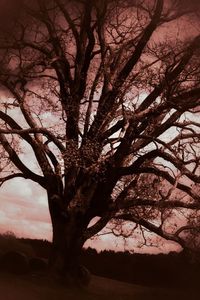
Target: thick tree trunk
x: 66, y: 249
x: 65, y: 256
x: 68, y: 228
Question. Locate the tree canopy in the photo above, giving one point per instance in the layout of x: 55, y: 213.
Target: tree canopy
x: 106, y: 95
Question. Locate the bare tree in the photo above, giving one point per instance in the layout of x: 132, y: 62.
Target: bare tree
x: 108, y: 93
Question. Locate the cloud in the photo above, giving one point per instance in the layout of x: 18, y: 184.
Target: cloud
x: 24, y: 209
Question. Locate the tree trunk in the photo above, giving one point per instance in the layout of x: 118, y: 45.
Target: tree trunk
x: 66, y: 249
x: 68, y: 228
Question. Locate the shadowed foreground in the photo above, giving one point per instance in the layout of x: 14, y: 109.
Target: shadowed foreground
x: 35, y: 288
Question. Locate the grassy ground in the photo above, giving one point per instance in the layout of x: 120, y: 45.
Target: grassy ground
x: 33, y: 288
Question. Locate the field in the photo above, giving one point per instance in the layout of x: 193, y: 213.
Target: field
x: 158, y: 277
x: 37, y: 288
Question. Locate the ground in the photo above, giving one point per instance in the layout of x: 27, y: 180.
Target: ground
x: 37, y: 288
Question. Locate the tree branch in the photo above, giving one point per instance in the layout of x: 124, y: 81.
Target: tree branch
x: 18, y: 163
x: 12, y: 176
x: 153, y: 228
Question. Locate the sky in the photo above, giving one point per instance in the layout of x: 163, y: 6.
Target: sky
x: 24, y: 211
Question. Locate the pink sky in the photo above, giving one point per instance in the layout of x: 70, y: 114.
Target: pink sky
x: 24, y: 211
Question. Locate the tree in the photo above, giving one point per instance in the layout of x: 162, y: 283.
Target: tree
x: 108, y: 95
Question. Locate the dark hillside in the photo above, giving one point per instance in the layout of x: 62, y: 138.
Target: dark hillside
x: 174, y: 269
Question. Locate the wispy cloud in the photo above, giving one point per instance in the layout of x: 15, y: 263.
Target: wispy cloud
x: 24, y: 209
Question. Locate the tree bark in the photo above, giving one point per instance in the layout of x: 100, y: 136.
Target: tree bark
x: 67, y: 244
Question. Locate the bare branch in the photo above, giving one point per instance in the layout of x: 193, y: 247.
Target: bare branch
x: 12, y: 176
x: 153, y: 228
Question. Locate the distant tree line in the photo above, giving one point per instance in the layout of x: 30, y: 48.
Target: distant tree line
x: 173, y: 269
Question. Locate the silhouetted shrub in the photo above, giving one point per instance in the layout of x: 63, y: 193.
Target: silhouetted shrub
x: 14, y: 262
x: 9, y: 242
x: 41, y: 248
x: 38, y: 264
